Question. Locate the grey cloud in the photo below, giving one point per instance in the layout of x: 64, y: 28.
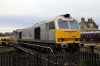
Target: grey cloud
x: 16, y: 7
x: 24, y: 13
x: 18, y: 21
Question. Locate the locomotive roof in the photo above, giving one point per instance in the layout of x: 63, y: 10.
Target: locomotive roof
x: 90, y: 32
x: 60, y: 17
x: 66, y: 17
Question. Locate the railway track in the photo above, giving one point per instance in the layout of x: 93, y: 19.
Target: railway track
x: 6, y: 49
x: 60, y: 58
x: 48, y: 59
x: 92, y: 50
x: 29, y: 57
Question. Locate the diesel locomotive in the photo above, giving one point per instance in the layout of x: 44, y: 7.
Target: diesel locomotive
x: 62, y: 32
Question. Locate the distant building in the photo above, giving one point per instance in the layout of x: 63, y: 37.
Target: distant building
x: 97, y: 30
x: 16, y: 34
x: 87, y: 26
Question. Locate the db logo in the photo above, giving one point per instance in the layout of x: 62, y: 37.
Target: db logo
x: 70, y: 32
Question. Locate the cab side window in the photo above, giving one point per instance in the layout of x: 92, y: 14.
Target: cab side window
x: 51, y: 25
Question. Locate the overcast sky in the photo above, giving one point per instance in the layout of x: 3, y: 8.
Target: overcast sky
x: 17, y: 14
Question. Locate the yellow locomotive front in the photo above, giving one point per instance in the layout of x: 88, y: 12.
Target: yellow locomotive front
x: 68, y: 32
x: 68, y: 35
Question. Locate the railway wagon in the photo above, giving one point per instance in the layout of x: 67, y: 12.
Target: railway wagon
x: 93, y: 36
x: 5, y: 40
x: 62, y: 32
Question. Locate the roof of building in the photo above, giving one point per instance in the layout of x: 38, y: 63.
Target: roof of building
x: 94, y: 24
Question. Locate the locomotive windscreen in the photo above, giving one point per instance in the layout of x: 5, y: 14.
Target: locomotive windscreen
x: 74, y: 25
x: 63, y: 24
x: 67, y: 25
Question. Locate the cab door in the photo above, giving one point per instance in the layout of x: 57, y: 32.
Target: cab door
x: 20, y: 35
x: 52, y: 31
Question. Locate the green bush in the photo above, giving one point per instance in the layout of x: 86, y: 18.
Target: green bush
x: 82, y: 63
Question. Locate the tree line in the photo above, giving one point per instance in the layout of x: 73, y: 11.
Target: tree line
x: 6, y: 34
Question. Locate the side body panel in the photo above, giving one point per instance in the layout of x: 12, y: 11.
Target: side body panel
x: 43, y: 31
x: 32, y: 33
x: 52, y: 34
x: 27, y: 33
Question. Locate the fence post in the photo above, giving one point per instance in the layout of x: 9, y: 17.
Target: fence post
x: 85, y: 56
x: 1, y: 59
x: 98, y: 62
x: 88, y: 59
x: 18, y: 59
x: 40, y: 59
x: 95, y: 64
x: 32, y: 59
x: 29, y: 58
x: 37, y: 59
x: 9, y: 59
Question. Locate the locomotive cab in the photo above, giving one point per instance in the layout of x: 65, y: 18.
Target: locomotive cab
x: 67, y: 32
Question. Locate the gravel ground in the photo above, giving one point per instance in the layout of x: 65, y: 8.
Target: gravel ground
x: 6, y: 49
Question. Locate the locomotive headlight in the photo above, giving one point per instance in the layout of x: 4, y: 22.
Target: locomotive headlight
x: 77, y: 39
x: 61, y: 39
